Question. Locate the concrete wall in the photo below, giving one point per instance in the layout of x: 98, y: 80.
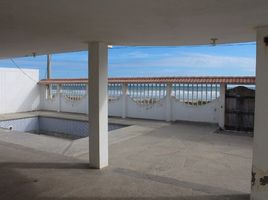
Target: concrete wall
x: 150, y: 111
x: 49, y: 104
x: 18, y: 93
x: 61, y: 103
x: 162, y: 110
x: 115, y: 108
x: 24, y: 124
x: 202, y: 113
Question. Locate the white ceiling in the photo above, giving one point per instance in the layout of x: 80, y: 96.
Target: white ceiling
x: 49, y: 26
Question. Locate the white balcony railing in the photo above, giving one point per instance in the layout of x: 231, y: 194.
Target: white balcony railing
x: 199, y: 99
x: 202, y: 102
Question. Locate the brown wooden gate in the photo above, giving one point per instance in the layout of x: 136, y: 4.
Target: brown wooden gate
x: 239, y: 109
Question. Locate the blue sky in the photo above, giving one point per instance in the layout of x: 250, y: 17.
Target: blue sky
x: 124, y: 61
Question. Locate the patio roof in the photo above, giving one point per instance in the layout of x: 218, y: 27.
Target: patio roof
x: 207, y: 80
x: 43, y: 27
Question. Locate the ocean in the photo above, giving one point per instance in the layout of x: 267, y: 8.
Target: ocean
x: 183, y: 92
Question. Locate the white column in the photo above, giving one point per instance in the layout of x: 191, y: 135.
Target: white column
x: 86, y: 106
x: 124, y: 99
x: 221, y: 120
x: 168, y: 102
x: 98, y: 104
x: 260, y: 146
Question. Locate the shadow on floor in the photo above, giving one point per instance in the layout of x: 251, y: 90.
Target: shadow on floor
x: 44, y: 165
x: 173, y: 181
x: 224, y: 197
x: 220, y: 197
x: 19, y: 185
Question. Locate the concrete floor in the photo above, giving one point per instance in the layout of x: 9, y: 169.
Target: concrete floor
x: 149, y: 160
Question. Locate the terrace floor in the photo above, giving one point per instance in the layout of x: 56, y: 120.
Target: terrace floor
x: 149, y: 160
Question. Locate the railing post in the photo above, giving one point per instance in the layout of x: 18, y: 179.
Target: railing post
x: 222, y: 106
x: 59, y: 97
x: 46, y: 92
x: 49, y: 91
x: 124, y: 99
x: 168, y: 102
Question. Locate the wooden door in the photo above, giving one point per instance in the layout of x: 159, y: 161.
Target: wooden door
x: 239, y: 109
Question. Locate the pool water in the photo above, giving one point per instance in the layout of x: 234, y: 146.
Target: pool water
x: 64, y: 128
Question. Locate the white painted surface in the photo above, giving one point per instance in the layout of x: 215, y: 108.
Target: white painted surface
x: 151, y: 111
x: 260, y: 148
x: 222, y: 106
x: 169, y: 109
x: 61, y: 103
x: 115, y: 108
x: 98, y: 104
x: 168, y: 103
x: 70, y: 23
x: 49, y: 103
x: 205, y: 113
x: 124, y: 100
x: 80, y: 106
x: 18, y: 93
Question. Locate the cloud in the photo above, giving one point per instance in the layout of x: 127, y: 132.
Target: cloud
x: 137, y: 54
x: 153, y: 62
x: 193, y: 60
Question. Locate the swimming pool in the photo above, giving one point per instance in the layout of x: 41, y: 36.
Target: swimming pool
x: 58, y: 127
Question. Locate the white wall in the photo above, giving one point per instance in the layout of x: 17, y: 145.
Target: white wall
x: 62, y: 104
x: 202, y: 113
x: 159, y: 111
x: 80, y: 106
x: 18, y: 93
x: 48, y: 104
x: 115, y: 108
x: 151, y: 111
